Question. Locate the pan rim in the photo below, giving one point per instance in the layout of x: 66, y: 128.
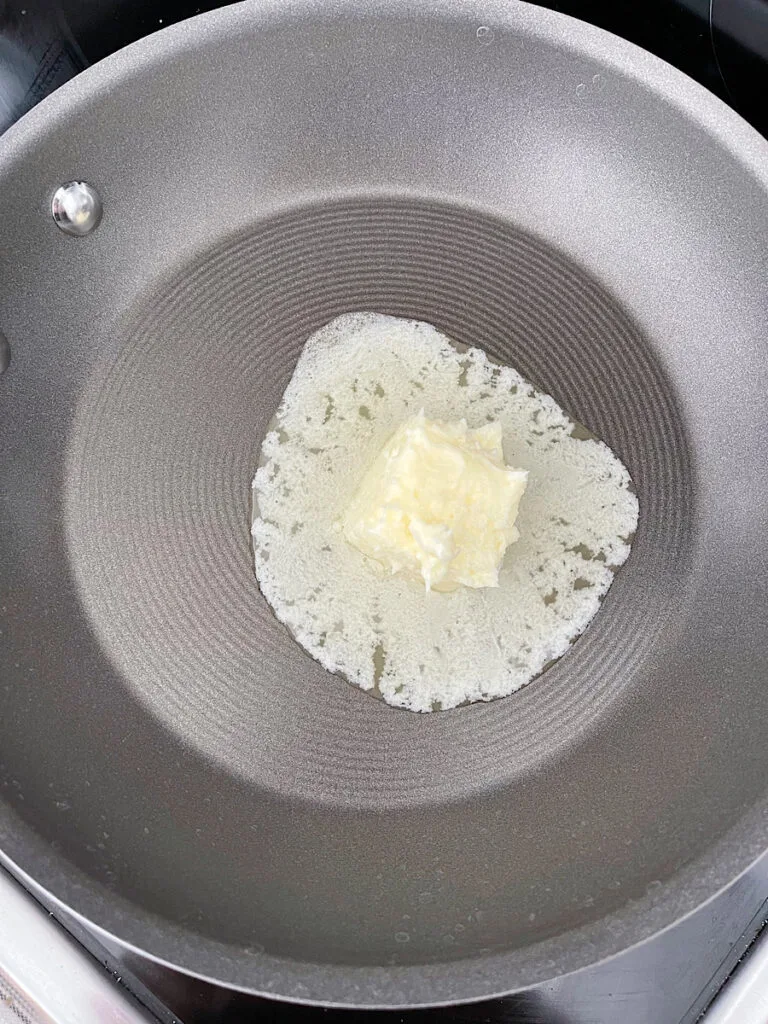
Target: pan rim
x: 697, y: 883
x: 411, y: 987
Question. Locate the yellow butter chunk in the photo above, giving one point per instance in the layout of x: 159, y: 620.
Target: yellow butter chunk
x: 438, y: 504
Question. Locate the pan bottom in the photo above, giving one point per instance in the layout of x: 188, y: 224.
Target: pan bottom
x: 168, y: 434
x: 413, y: 839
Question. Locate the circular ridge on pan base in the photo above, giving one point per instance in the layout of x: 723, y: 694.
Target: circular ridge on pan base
x: 167, y: 438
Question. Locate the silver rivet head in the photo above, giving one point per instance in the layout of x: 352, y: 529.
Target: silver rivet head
x: 76, y: 208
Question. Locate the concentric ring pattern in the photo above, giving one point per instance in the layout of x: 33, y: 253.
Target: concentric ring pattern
x: 165, y: 444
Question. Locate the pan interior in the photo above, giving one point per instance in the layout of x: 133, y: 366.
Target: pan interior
x: 165, y: 445
x: 413, y: 839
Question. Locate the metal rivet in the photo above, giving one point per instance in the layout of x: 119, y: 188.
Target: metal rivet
x: 5, y: 353
x: 76, y: 208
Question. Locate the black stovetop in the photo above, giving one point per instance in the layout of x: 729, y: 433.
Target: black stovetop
x: 670, y: 979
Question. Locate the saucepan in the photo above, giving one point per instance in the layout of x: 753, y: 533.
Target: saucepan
x: 174, y: 768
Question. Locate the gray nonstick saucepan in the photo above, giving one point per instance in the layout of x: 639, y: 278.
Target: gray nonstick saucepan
x: 173, y: 767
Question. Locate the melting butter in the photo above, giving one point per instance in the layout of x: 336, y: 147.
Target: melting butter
x: 438, y: 504
x: 329, y: 462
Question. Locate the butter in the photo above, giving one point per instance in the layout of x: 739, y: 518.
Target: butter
x: 438, y: 505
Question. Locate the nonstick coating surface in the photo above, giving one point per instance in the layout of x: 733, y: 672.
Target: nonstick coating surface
x: 172, y: 765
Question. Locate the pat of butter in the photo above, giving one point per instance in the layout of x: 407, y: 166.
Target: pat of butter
x: 438, y: 504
